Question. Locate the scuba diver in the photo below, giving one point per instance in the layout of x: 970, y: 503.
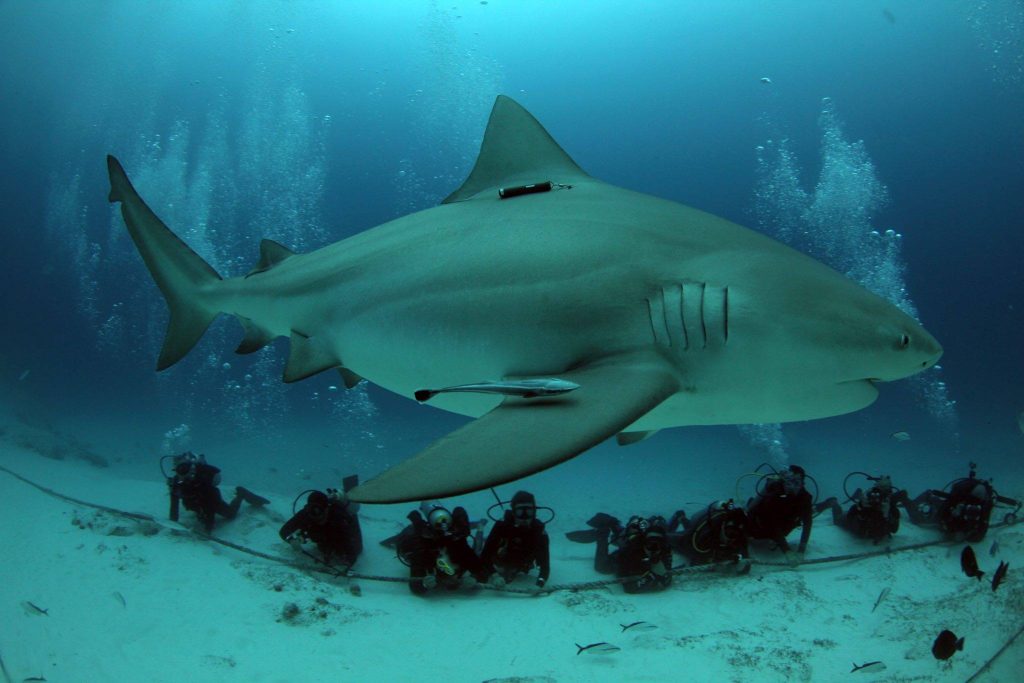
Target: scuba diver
x: 718, y: 533
x: 781, y: 505
x: 874, y: 514
x: 194, y: 484
x: 435, y: 547
x: 518, y: 542
x: 963, y: 512
x: 331, y: 522
x: 643, y: 551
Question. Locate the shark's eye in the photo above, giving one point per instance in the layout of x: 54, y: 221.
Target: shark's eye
x: 904, y: 341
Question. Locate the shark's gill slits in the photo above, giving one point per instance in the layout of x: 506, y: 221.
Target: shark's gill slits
x: 689, y: 316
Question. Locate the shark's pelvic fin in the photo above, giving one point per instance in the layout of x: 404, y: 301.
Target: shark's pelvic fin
x: 179, y: 272
x: 630, y: 438
x: 306, y: 357
x: 523, y: 436
x: 271, y: 253
x: 516, y: 150
x: 255, y: 337
x: 349, y: 378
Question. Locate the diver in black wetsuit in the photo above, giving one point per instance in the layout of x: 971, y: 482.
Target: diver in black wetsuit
x: 874, y: 514
x: 643, y: 550
x: 331, y: 522
x: 436, y: 549
x: 194, y: 485
x: 963, y: 512
x: 517, y: 543
x: 783, y: 505
x: 718, y: 533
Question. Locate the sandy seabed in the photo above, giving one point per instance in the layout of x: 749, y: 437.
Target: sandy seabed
x: 138, y: 601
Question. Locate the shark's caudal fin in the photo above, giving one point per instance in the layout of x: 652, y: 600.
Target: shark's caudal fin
x: 516, y: 150
x: 178, y: 271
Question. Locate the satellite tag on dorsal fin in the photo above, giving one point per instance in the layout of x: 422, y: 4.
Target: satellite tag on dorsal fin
x: 516, y: 151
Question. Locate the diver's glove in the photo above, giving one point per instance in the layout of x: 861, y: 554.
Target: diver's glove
x: 429, y: 581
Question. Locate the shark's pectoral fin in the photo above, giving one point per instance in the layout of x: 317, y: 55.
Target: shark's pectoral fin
x: 523, y: 436
x: 630, y: 438
x: 307, y: 356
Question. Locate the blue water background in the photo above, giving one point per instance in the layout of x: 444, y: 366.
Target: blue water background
x: 308, y: 122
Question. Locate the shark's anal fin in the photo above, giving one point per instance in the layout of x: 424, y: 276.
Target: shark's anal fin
x: 255, y: 337
x: 523, y: 436
x: 306, y: 357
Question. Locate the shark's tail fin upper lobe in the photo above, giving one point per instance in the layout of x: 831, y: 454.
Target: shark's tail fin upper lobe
x: 180, y: 273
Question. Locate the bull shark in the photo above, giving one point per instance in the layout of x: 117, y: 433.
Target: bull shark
x: 650, y: 315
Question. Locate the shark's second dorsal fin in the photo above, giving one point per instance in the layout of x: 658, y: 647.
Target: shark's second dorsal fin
x: 271, y: 253
x: 516, y: 150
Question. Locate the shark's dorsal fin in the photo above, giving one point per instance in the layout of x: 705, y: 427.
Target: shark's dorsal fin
x: 271, y: 253
x: 516, y: 150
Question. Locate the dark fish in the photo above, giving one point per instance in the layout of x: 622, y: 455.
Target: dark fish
x: 868, y: 667
x: 601, y: 648
x: 997, y: 578
x: 32, y: 608
x: 946, y: 645
x: 33, y: 678
x: 881, y: 596
x: 120, y: 598
x: 638, y: 626
x: 969, y: 563
x: 994, y: 549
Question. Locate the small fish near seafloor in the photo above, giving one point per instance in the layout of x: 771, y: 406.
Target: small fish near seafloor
x: 881, y: 596
x: 997, y: 578
x: 868, y: 667
x: 34, y: 609
x: 946, y: 645
x: 638, y: 626
x: 994, y: 549
x: 597, y: 649
x: 969, y: 563
x: 900, y: 436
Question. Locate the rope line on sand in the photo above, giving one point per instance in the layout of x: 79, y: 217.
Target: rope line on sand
x: 573, y: 587
x: 996, y: 656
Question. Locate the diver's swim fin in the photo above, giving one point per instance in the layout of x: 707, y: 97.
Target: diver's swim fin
x: 585, y: 535
x: 250, y: 497
x: 603, y: 520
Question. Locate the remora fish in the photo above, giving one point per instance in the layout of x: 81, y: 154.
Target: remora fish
x: 664, y: 315
x: 638, y: 626
x: 969, y: 563
x: 34, y: 609
x: 997, y: 578
x: 525, y: 388
x: 946, y: 645
x: 868, y: 667
x: 601, y: 648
